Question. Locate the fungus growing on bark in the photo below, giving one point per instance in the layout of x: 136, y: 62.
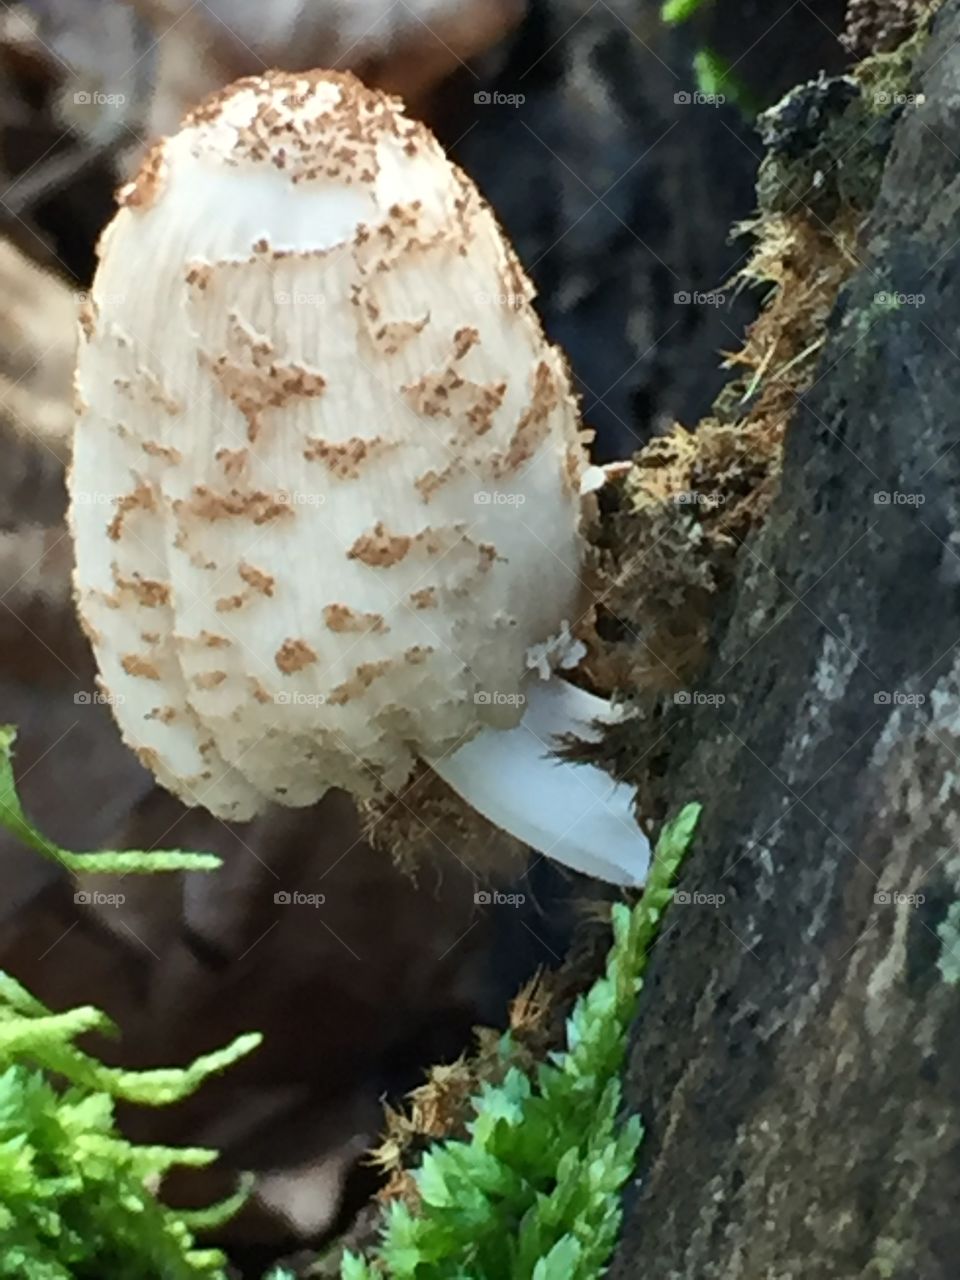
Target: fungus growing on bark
x: 326, y: 492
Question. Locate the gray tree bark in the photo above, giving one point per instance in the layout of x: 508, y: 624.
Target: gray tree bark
x: 796, y: 1056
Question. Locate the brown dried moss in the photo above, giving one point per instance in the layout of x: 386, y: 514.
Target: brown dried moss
x: 879, y: 26
x: 676, y: 524
x: 426, y: 823
x: 440, y: 1108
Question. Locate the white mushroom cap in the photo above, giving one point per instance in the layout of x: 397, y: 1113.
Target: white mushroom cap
x: 325, y: 491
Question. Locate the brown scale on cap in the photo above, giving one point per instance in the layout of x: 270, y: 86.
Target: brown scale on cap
x: 136, y: 665
x: 87, y: 316
x: 360, y: 682
x: 198, y: 275
x: 233, y: 461
x: 418, y: 654
x: 147, y: 186
x: 148, y: 758
x: 451, y: 395
x: 253, y: 380
x: 340, y: 618
x: 533, y: 427
x: 258, y: 507
x: 140, y: 499
x: 294, y: 655
x: 260, y: 694
x: 146, y: 591
x: 165, y: 715
x: 165, y: 452
x: 230, y: 604
x: 346, y: 459
x: 257, y: 579
x: 380, y: 549
x: 390, y: 339
x: 432, y: 481
x: 209, y: 680
x: 340, y: 146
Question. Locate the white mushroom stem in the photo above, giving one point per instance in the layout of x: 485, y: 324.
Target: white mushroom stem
x: 577, y: 813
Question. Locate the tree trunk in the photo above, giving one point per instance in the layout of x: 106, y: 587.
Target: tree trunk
x: 796, y: 1057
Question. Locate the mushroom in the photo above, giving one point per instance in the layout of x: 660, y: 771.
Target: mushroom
x: 326, y: 487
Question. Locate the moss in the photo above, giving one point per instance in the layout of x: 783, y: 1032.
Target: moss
x: 533, y: 1188
x: 672, y: 534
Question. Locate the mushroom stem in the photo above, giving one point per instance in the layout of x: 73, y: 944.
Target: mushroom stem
x: 574, y: 812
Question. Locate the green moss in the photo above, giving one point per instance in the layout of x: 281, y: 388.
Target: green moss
x: 534, y: 1193
x: 128, y: 862
x: 75, y: 1196
x: 676, y: 11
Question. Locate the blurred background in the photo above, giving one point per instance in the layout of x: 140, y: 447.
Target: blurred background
x: 591, y: 130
